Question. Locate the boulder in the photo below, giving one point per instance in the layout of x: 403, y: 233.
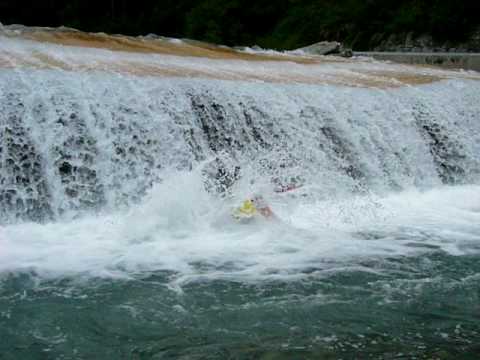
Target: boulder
x: 409, y: 41
x: 425, y: 41
x: 346, y: 53
x: 323, y: 48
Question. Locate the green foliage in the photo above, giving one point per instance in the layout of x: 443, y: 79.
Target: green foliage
x: 281, y: 24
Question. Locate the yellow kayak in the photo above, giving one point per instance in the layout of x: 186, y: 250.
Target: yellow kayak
x: 246, y: 211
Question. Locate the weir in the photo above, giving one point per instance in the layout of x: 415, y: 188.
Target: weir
x: 78, y: 139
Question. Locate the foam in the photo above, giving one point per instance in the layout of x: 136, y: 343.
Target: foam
x: 179, y: 228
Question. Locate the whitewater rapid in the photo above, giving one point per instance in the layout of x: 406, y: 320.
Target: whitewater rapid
x: 189, y: 236
x: 105, y: 170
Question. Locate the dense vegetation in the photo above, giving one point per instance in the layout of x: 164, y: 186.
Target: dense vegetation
x: 282, y: 24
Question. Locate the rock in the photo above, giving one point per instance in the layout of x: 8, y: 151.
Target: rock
x: 323, y: 48
x: 425, y: 43
x: 346, y: 53
x: 391, y: 44
x: 328, y: 48
x: 409, y: 42
x: 376, y: 41
x: 473, y: 43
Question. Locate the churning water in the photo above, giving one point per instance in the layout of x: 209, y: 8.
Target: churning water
x: 115, y: 243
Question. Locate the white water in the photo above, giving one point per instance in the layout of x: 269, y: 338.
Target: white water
x: 116, y: 174
x: 118, y: 134
x: 190, y: 235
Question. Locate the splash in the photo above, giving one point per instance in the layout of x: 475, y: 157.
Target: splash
x: 181, y: 229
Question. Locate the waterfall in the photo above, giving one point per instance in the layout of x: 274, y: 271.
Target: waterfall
x: 74, y: 142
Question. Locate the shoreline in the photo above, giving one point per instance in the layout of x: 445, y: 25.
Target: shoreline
x: 466, y: 61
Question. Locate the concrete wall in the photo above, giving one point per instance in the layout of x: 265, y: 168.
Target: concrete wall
x: 467, y: 61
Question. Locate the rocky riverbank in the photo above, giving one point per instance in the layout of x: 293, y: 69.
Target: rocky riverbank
x: 465, y: 61
x: 408, y: 42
